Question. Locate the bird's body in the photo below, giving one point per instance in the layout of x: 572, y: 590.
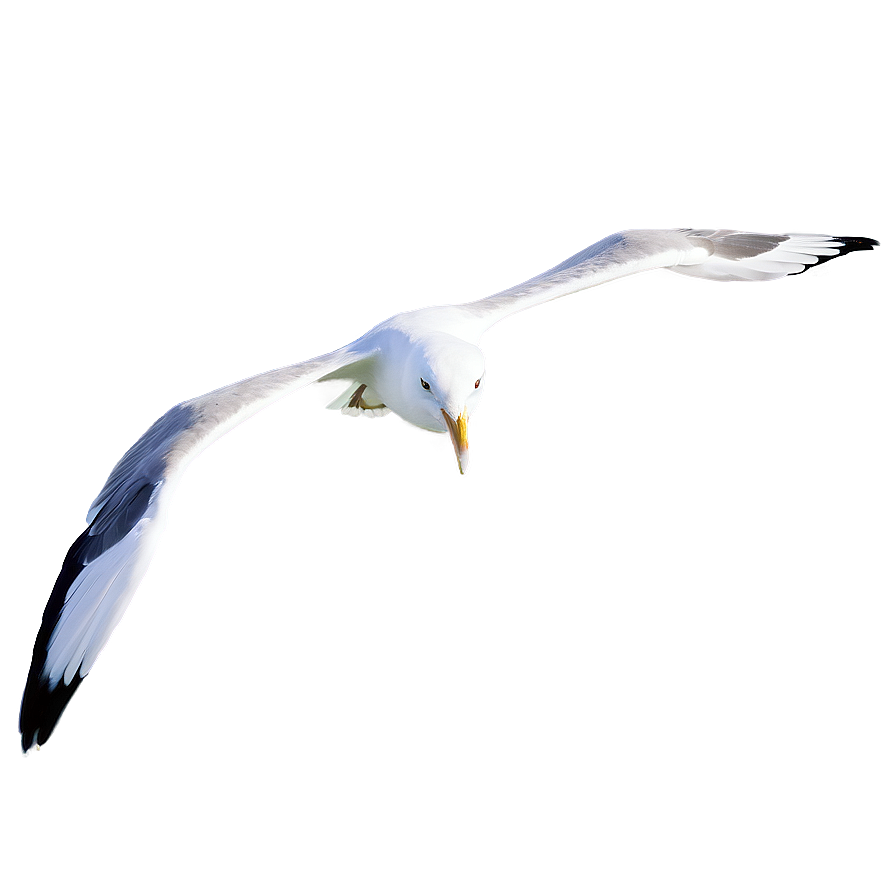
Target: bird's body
x: 424, y: 365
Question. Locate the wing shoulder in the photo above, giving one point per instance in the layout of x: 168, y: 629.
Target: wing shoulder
x: 618, y: 255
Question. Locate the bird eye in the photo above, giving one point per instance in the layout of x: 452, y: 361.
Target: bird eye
x: 476, y: 384
x: 424, y: 384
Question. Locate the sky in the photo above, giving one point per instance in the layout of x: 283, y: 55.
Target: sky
x: 644, y: 645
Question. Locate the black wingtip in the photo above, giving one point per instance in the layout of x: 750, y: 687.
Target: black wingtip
x: 850, y: 244
x: 855, y: 243
x: 43, y: 704
x: 41, y: 709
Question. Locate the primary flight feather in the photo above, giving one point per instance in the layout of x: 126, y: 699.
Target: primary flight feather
x: 423, y: 365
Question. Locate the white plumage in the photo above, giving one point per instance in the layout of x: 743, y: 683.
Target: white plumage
x: 424, y: 365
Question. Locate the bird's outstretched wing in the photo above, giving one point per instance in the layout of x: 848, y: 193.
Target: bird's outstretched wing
x: 710, y: 254
x: 105, y: 564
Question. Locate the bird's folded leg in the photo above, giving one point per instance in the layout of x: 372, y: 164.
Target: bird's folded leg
x: 351, y: 403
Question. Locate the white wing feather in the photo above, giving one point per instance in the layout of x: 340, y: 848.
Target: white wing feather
x: 104, y: 566
x: 708, y: 254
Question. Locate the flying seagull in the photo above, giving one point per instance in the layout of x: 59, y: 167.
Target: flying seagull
x: 424, y: 365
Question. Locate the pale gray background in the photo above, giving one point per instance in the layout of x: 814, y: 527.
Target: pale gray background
x: 645, y: 646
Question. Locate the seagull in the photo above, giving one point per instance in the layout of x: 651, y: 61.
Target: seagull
x: 423, y: 365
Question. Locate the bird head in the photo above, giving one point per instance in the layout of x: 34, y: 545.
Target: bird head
x: 448, y: 378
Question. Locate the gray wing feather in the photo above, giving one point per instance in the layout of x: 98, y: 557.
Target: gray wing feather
x: 143, y: 463
x: 734, y: 244
x: 104, y: 566
x: 618, y: 255
x: 707, y: 254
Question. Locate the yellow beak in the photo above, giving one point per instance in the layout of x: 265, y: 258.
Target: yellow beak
x: 457, y: 429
